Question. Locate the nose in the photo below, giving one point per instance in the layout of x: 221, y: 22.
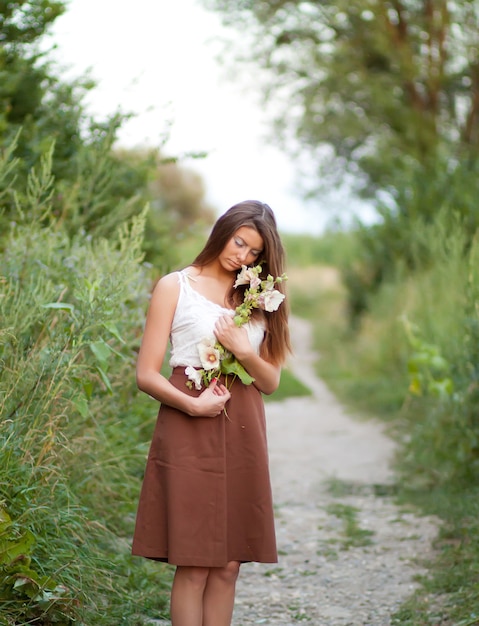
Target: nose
x: 242, y: 255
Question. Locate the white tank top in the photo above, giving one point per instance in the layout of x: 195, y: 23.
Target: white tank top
x: 194, y: 320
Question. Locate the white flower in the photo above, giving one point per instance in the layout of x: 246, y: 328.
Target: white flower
x: 214, y: 357
x: 209, y: 355
x: 270, y: 300
x: 194, y: 375
x: 248, y: 276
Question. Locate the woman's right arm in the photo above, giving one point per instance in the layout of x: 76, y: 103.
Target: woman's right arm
x: 152, y: 354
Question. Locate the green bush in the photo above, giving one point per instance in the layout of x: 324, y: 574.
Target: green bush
x: 72, y: 428
x: 415, y: 353
x: 414, y: 360
x: 449, y: 398
x: 425, y: 199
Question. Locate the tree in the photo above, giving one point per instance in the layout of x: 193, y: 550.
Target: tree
x: 37, y: 108
x: 176, y: 197
x: 388, y: 86
x: 21, y: 25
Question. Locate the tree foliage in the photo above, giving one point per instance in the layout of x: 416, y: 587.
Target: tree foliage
x: 384, y: 93
x: 31, y: 96
x: 386, y: 85
x: 175, y: 194
x: 97, y: 184
x: 23, y: 22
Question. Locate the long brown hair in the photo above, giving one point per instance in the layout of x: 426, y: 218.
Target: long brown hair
x: 259, y: 216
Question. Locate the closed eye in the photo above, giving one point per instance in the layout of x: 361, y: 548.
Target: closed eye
x: 241, y: 244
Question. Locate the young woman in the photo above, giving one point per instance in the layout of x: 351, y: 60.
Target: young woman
x: 205, y: 504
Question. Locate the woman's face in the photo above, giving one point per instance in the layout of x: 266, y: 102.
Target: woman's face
x: 244, y: 248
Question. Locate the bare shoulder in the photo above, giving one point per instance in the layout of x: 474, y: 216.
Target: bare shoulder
x: 168, y: 281
x: 192, y: 271
x: 166, y: 289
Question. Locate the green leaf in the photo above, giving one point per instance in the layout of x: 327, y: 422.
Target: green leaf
x: 88, y: 388
x: 81, y: 404
x: 27, y: 585
x: 441, y: 388
x: 12, y: 548
x: 105, y: 379
x: 232, y: 366
x: 5, y: 520
x: 111, y: 327
x: 102, y: 352
x: 64, y: 306
x: 439, y: 363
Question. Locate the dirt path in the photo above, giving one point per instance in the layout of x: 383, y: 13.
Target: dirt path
x: 347, y: 554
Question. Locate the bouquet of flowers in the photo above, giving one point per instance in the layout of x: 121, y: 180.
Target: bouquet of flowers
x: 215, y: 359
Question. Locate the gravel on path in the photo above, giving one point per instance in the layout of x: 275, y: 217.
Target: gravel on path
x: 348, y: 553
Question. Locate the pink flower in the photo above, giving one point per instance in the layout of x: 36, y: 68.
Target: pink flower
x: 270, y: 300
x: 248, y: 276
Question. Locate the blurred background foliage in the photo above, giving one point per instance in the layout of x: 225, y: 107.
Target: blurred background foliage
x: 383, y: 96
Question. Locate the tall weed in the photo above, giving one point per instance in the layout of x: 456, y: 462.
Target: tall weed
x: 72, y: 429
x: 443, y: 445
x: 371, y: 367
x: 414, y: 359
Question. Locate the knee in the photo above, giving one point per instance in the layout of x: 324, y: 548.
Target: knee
x: 195, y: 577
x: 227, y: 574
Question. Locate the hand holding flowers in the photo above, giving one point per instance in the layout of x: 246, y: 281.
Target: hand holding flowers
x: 215, y: 358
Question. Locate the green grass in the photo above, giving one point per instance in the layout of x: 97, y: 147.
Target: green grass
x: 368, y: 371
x: 289, y: 387
x: 353, y: 535
x: 453, y: 576
x: 341, y: 488
x: 332, y: 248
x: 70, y: 448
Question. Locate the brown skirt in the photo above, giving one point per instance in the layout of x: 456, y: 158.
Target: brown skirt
x: 206, y: 494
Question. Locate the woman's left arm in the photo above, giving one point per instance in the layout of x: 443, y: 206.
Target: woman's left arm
x: 235, y: 339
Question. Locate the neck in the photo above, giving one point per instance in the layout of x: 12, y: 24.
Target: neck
x: 216, y: 271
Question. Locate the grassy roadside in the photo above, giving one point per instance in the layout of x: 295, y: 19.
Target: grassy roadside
x: 368, y: 372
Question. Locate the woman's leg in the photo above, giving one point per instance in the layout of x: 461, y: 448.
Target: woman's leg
x: 186, y: 607
x: 219, y: 595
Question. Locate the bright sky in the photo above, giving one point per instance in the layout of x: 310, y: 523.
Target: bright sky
x: 156, y: 58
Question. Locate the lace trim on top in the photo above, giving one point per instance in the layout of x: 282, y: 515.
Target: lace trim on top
x: 200, y: 295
